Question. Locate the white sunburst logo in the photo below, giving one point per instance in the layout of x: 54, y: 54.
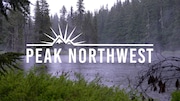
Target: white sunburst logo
x: 60, y: 38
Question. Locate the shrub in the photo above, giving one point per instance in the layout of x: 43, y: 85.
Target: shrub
x: 176, y: 96
x: 31, y: 86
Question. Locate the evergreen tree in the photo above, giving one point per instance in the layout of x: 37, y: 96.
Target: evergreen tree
x: 71, y: 17
x: 42, y: 20
x: 80, y: 6
x: 90, y: 28
x: 63, y: 19
x: 55, y: 22
x: 15, y: 5
x: 72, y: 12
x: 63, y: 12
x: 15, y: 39
x: 13, y: 31
x: 37, y: 21
x: 101, y: 20
x: 14, y: 27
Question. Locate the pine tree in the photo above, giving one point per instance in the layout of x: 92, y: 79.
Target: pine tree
x: 13, y: 31
x: 16, y: 36
x: 42, y: 20
x: 37, y: 21
x: 102, y: 16
x: 90, y: 28
x: 63, y: 12
x: 71, y: 17
x: 63, y: 19
x: 72, y: 12
x: 15, y: 5
x: 80, y: 6
x: 15, y: 25
x: 55, y: 22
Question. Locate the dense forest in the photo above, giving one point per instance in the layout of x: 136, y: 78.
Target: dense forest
x: 135, y: 21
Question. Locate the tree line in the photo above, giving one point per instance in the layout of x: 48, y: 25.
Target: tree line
x: 141, y: 21
x: 135, y: 21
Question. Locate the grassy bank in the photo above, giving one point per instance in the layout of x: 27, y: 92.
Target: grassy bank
x: 20, y: 86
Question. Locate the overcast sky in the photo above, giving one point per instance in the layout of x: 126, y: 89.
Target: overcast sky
x: 92, y: 5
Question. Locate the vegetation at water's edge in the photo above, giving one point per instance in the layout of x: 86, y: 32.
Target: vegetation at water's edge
x: 33, y: 86
x: 176, y: 96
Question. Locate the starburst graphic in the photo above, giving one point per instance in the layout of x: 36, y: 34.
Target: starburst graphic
x: 63, y: 39
x: 60, y: 38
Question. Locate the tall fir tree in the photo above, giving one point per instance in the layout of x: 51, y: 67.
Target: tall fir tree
x: 63, y: 18
x: 42, y: 20
x: 81, y: 11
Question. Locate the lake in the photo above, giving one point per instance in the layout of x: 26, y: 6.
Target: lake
x: 115, y: 74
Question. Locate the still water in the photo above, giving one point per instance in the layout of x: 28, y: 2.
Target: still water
x: 115, y: 74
